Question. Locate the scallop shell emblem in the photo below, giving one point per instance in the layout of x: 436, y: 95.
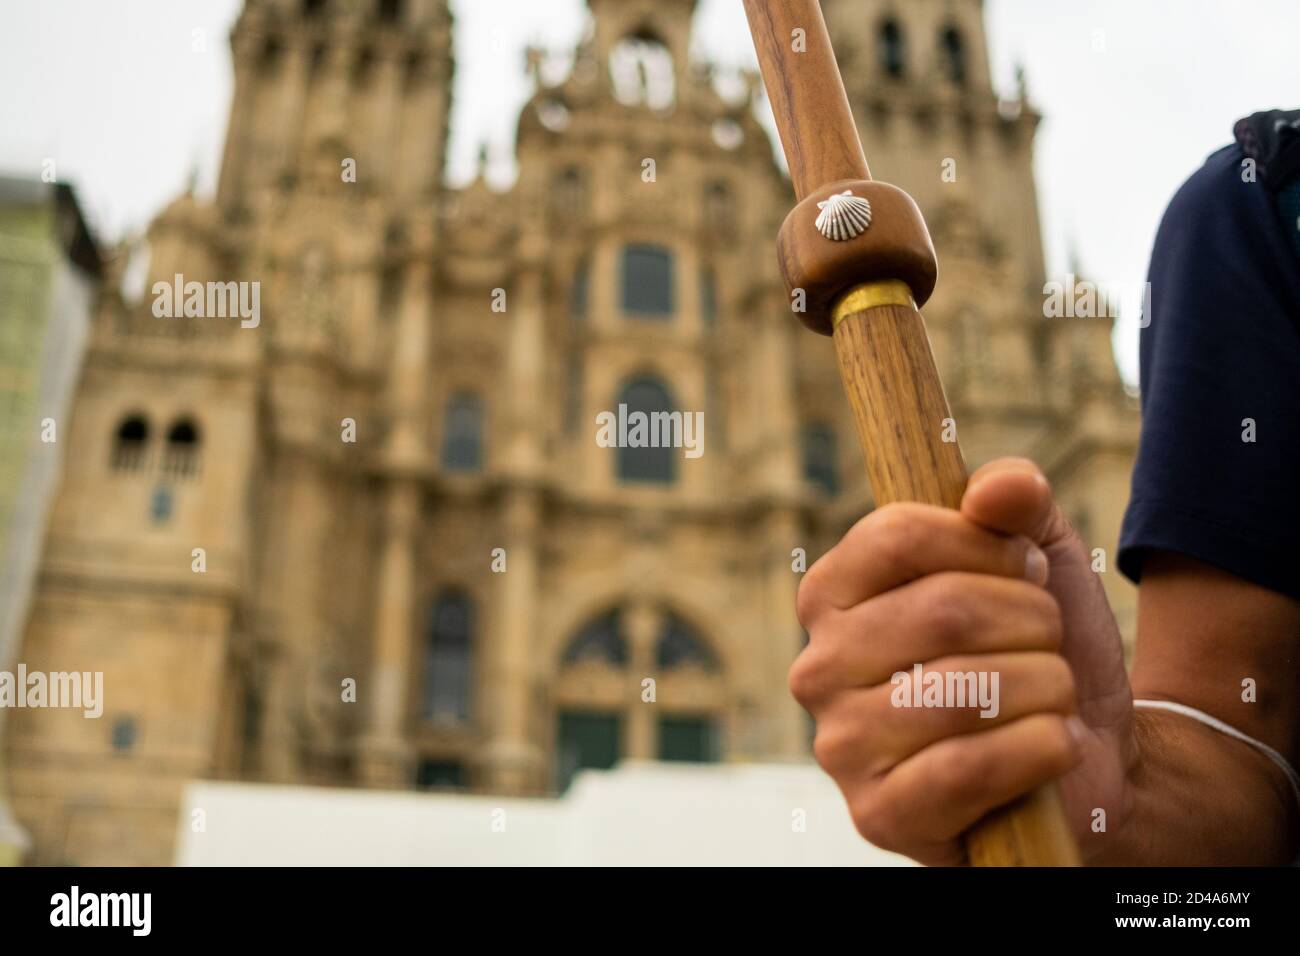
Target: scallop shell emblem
x: 843, y: 216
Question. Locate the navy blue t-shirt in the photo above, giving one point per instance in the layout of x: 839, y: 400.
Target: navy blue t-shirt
x: 1220, y: 364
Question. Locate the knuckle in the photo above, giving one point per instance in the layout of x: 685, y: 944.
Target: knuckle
x: 810, y: 598
x: 804, y: 679
x: 892, y: 532
x: 873, y: 820
x: 949, y: 609
x: 963, y: 775
x: 835, y: 748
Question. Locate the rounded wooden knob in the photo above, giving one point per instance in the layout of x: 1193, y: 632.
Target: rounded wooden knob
x: 850, y: 232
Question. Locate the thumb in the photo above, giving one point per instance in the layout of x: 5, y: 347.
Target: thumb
x: 1012, y: 496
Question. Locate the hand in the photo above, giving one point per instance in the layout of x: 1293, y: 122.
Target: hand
x: 1002, y: 587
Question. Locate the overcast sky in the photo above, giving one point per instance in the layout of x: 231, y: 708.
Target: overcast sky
x: 128, y: 96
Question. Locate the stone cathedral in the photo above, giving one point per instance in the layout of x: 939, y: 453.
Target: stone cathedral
x: 372, y: 540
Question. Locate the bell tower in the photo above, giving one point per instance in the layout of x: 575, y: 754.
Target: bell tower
x: 372, y: 76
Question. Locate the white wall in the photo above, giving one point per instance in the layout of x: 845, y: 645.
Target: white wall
x: 640, y: 814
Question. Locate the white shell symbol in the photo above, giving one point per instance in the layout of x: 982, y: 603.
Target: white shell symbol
x: 843, y: 216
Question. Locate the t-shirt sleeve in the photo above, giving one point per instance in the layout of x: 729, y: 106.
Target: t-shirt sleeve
x: 1218, y: 470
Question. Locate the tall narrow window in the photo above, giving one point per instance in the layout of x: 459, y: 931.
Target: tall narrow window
x: 953, y: 54
x: 448, y: 653
x: 579, y: 292
x: 130, y: 444
x: 462, y: 433
x: 181, y: 453
x: 641, y: 69
x: 893, y: 49
x: 708, y: 298
x: 646, y: 453
x: 819, y: 457
x: 648, y: 281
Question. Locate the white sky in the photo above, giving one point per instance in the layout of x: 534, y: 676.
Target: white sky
x: 128, y: 96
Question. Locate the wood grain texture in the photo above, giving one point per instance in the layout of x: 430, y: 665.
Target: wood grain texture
x: 893, y: 386
x: 807, y: 94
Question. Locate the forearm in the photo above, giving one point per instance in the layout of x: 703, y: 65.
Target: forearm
x: 1197, y: 797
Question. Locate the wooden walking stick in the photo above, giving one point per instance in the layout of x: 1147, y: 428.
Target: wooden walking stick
x: 861, y: 253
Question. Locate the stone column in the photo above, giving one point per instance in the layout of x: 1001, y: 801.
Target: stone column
x: 385, y: 757
x: 512, y: 761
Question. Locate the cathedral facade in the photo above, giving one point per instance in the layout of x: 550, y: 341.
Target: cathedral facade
x: 372, y: 538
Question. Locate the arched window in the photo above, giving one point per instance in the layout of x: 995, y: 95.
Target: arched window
x: 601, y: 641
x: 893, y: 49
x: 680, y: 646
x: 952, y: 54
x: 448, y: 658
x: 641, y: 68
x: 462, y: 433
x: 648, y: 281
x: 181, y: 453
x: 130, y: 444
x: 819, y: 457
x: 646, y: 452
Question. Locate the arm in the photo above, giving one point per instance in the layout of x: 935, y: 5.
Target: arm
x: 1194, y: 795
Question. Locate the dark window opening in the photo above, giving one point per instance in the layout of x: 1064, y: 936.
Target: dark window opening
x: 708, y: 298
x: 953, y: 55
x: 462, y: 434
x: 131, y: 444
x: 648, y: 281
x: 390, y: 11
x: 181, y: 453
x: 313, y: 8
x: 680, y: 646
x: 688, y: 739
x: 893, y: 49
x: 819, y: 458
x: 160, y: 505
x: 124, y: 734
x: 439, y: 775
x: 448, y: 658
x: 585, y: 741
x: 600, y: 641
x: 644, y: 462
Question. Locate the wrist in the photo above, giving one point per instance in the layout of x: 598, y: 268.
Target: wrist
x: 1195, y: 796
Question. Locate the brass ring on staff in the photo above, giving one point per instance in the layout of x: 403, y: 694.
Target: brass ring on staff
x: 870, y: 295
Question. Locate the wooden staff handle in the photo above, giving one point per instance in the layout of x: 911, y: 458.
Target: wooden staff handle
x: 865, y: 292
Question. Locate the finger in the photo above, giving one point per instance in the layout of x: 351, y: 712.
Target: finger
x: 949, y: 613
x: 902, y: 542
x: 1012, y: 496
x: 942, y: 791
x: 947, y: 698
